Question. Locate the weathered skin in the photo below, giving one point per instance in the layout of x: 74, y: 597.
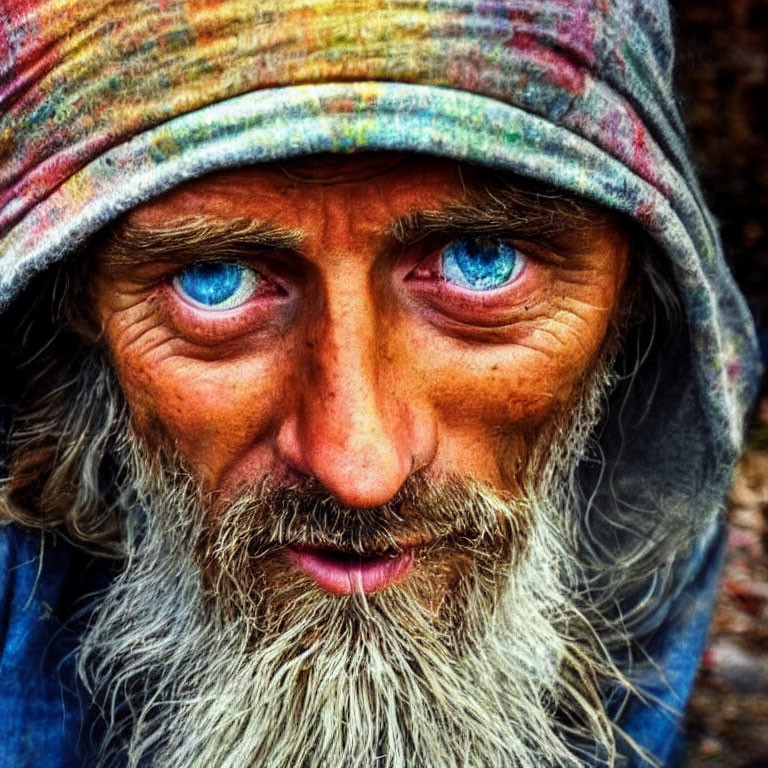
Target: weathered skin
x: 357, y: 370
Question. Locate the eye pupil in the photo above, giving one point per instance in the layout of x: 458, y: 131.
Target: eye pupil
x: 480, y: 264
x: 210, y: 283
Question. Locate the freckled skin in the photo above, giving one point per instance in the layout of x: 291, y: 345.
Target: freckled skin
x: 360, y: 376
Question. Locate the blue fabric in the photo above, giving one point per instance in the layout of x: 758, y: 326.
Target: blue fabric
x: 665, y: 669
x: 41, y: 615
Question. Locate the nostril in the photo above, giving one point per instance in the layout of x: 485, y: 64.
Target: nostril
x: 361, y: 466
x: 360, y: 447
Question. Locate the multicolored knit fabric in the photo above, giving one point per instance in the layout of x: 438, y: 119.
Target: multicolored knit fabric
x: 106, y: 103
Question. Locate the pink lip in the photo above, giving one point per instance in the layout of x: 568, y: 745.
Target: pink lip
x: 342, y: 575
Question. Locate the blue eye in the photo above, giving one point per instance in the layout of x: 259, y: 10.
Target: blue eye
x: 481, y: 264
x: 216, y: 285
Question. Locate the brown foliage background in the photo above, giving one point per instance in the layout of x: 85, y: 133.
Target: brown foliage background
x: 723, y: 80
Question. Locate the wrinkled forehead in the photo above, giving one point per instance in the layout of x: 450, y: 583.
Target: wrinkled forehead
x: 344, y: 177
x: 327, y: 168
x: 277, y: 188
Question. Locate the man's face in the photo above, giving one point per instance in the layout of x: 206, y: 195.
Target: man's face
x: 369, y: 380
x: 305, y: 322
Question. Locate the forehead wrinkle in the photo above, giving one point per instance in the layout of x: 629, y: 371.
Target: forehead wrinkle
x: 198, y: 236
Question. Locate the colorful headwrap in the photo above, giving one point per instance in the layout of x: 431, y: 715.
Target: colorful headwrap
x: 106, y: 103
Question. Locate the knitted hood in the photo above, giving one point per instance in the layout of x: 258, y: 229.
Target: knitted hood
x: 107, y: 103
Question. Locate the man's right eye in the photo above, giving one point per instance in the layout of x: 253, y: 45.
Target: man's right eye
x: 216, y: 286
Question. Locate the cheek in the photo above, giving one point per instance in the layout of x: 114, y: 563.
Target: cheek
x: 492, y: 399
x: 495, y: 385
x: 209, y: 410
x: 493, y: 407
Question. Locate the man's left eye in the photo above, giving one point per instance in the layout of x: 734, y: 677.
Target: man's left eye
x: 216, y: 285
x: 480, y: 263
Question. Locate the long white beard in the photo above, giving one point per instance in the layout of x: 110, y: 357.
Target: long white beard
x: 510, y: 678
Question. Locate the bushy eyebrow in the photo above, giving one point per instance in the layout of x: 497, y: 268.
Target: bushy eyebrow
x: 194, y: 238
x: 500, y: 207
x: 503, y: 210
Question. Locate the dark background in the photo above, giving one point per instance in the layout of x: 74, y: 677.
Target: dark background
x: 722, y: 68
x: 722, y: 77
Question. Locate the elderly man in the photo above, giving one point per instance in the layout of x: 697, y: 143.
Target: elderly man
x: 372, y: 381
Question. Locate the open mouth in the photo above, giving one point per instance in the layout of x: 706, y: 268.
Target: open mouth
x: 342, y: 573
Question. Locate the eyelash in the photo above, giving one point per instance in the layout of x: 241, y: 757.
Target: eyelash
x: 460, y: 310
x: 434, y: 267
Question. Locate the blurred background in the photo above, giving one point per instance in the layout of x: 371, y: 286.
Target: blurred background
x: 722, y: 73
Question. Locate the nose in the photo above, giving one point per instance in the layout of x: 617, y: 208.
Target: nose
x: 353, y: 427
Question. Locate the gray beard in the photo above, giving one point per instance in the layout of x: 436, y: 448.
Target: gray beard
x: 199, y: 656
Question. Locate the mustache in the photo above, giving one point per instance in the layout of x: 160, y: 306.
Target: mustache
x: 244, y: 573
x: 424, y: 512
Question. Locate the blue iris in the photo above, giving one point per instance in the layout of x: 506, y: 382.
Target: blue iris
x: 480, y: 264
x: 211, y: 283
